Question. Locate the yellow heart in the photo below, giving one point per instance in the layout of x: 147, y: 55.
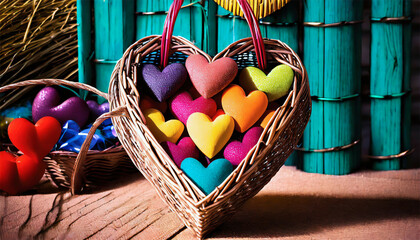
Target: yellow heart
x: 210, y: 136
x: 163, y: 131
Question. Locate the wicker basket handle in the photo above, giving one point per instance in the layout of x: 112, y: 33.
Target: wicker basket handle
x: 77, y: 176
x: 53, y: 82
x: 257, y: 38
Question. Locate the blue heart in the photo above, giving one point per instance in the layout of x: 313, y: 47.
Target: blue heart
x: 207, y: 179
x: 164, y: 84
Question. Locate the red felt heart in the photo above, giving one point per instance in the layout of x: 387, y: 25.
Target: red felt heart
x: 210, y: 78
x: 37, y: 140
x: 9, y: 177
x: 18, y: 174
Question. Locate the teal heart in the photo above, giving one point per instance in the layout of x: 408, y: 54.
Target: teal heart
x: 207, y: 179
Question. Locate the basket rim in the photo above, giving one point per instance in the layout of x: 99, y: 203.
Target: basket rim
x: 226, y: 51
x: 198, y: 212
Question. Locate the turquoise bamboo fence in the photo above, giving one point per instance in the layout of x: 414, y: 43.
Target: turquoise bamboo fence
x: 118, y: 23
x: 332, y: 57
x: 282, y: 25
x: 390, y: 82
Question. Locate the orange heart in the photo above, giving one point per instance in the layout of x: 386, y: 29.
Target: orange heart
x: 268, y: 114
x: 245, y: 110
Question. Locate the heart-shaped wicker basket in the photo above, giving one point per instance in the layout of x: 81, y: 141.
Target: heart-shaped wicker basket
x: 199, y: 212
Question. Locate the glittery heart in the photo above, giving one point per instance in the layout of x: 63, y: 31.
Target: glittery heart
x: 47, y: 103
x: 97, y: 109
x: 182, y: 106
x: 210, y: 78
x: 164, y: 83
x: 276, y: 84
x: 163, y: 131
x: 207, y: 179
x: 184, y: 149
x: 210, y: 136
x: 246, y: 110
x: 236, y: 151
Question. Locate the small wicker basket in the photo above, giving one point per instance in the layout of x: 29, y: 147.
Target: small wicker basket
x: 199, y: 212
x: 88, y: 168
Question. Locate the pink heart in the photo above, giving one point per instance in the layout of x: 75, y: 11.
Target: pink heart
x: 236, y: 151
x: 184, y: 149
x: 182, y: 106
x: 210, y: 78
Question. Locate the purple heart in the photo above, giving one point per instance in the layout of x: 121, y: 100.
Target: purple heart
x: 164, y: 84
x: 184, y: 149
x: 97, y: 110
x: 182, y: 106
x: 236, y: 151
x: 47, y: 103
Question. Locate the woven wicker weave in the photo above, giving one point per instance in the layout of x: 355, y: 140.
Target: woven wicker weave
x: 199, y: 212
x: 94, y: 167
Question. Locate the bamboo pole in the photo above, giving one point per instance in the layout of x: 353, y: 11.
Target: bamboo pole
x: 390, y: 76
x: 332, y: 57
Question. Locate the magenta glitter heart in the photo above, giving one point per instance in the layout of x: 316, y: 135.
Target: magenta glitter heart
x: 236, y: 151
x: 184, y: 149
x: 182, y: 106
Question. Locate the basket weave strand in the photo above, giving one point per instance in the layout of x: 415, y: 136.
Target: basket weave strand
x: 199, y: 212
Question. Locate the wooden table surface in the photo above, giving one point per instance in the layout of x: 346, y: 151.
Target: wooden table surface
x: 294, y: 205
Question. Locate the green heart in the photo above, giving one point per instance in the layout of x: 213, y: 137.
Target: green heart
x: 276, y: 84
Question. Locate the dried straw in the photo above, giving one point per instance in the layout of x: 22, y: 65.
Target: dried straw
x: 38, y: 40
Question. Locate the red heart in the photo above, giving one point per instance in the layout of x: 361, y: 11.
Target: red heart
x: 9, y: 177
x: 37, y: 140
x: 18, y: 174
x: 210, y: 78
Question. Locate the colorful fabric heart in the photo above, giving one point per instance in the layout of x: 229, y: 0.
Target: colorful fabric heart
x: 35, y: 141
x: 163, y: 131
x: 236, y: 151
x: 245, y: 110
x: 164, y: 83
x: 182, y: 106
x: 207, y: 179
x: 97, y: 110
x: 18, y: 174
x: 147, y: 102
x: 47, y: 103
x: 218, y: 113
x: 210, y: 78
x: 210, y: 136
x: 276, y: 84
x: 266, y: 118
x: 268, y: 114
x: 184, y: 149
